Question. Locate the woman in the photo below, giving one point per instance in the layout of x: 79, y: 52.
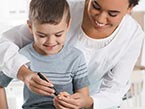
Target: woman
x: 110, y: 40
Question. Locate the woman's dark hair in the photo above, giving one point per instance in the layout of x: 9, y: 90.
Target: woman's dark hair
x: 133, y: 2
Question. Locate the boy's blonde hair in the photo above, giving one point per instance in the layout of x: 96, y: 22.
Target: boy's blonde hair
x: 48, y: 11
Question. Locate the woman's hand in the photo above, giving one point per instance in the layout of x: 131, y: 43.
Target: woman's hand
x: 74, y: 101
x: 35, y: 83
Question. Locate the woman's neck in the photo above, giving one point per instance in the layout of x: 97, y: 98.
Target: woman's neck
x: 90, y: 31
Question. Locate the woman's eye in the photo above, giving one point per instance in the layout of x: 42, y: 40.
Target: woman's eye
x: 95, y: 6
x: 112, y: 14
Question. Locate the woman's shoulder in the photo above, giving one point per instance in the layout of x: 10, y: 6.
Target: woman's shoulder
x: 75, y: 2
x: 16, y: 30
x: 130, y: 27
x: 76, y: 8
x: 131, y: 22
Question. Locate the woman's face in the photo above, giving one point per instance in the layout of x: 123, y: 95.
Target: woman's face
x: 106, y: 15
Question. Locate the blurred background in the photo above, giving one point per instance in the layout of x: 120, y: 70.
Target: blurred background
x: 15, y: 12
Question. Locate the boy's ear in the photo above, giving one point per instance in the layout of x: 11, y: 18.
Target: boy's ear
x: 68, y: 26
x: 29, y: 25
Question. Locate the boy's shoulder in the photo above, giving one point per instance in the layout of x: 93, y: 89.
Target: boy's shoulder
x: 25, y: 48
x: 74, y: 51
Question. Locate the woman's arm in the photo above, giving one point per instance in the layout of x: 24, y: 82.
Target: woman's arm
x: 10, y: 42
x: 34, y: 82
x: 3, y: 102
x: 116, y: 82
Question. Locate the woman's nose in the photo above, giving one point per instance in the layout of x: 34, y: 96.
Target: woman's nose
x: 101, y: 18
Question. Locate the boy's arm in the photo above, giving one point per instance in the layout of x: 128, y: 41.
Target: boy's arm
x: 3, y: 102
x: 82, y: 98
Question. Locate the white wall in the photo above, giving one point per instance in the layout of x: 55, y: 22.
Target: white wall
x: 13, y: 12
x: 140, y: 7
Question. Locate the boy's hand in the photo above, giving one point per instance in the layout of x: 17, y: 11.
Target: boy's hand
x: 74, y: 101
x: 65, y: 101
x: 63, y: 94
x: 35, y: 83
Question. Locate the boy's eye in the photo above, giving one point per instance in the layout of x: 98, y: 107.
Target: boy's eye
x: 41, y: 36
x: 58, y: 35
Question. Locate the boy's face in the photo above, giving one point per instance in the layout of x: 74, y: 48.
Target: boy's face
x: 106, y: 15
x: 49, y: 39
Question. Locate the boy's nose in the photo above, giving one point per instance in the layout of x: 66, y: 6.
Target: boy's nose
x: 50, y: 39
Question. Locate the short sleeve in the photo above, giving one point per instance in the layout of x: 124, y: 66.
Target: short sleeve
x: 4, y: 80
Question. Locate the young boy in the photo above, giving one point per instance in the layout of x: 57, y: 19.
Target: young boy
x: 64, y: 66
